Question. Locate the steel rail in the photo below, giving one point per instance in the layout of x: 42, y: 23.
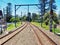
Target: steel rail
x: 12, y: 31
x: 51, y: 41
x: 14, y: 34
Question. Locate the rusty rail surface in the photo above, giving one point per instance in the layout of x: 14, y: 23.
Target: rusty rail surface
x: 9, y: 36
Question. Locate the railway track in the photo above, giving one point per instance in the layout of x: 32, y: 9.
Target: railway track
x: 25, y: 37
x: 42, y: 37
x: 9, y: 36
x: 12, y: 31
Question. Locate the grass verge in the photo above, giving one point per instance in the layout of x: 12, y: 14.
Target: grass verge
x: 46, y: 27
x: 11, y: 27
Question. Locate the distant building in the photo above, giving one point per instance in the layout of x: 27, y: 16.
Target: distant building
x: 2, y: 23
x: 1, y: 15
x: 29, y: 17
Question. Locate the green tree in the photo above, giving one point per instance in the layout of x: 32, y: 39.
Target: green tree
x: 13, y: 19
x: 28, y: 17
x: 43, y: 9
x: 23, y: 18
x: 52, y: 7
x: 54, y: 18
x: 8, y: 12
x: 34, y: 16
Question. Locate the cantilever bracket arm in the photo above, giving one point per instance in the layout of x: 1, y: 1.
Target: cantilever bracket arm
x: 17, y: 7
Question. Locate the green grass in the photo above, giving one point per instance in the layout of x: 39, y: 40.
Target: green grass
x: 57, y: 30
x: 39, y: 25
x: 46, y: 27
x: 12, y: 26
x: 35, y: 23
x: 18, y: 24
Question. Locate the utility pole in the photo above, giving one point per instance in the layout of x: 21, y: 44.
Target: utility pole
x: 59, y: 17
x: 4, y: 16
x: 1, y: 21
x: 21, y: 17
x: 28, y: 14
x: 15, y: 15
x: 51, y: 14
x: 42, y: 7
x: 28, y: 8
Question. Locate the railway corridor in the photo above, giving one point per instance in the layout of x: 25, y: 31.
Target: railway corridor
x: 25, y: 37
x: 28, y: 34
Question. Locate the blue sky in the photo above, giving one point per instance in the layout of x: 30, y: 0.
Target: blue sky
x: 3, y: 4
x: 58, y: 6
